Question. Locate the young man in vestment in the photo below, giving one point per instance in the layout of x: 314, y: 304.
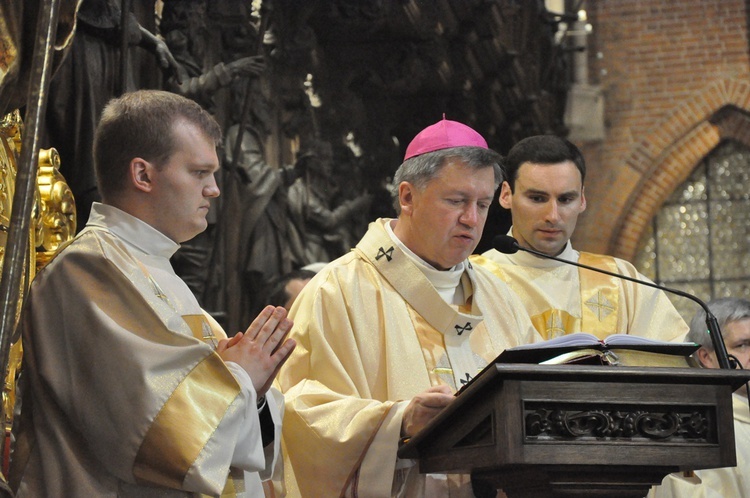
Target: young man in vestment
x: 733, y: 316
x: 131, y: 389
x: 387, y: 333
x: 544, y: 192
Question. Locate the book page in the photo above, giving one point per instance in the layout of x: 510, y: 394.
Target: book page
x: 577, y: 339
x: 628, y: 340
x: 541, y: 351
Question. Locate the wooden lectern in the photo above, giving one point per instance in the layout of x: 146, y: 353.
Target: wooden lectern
x: 546, y: 431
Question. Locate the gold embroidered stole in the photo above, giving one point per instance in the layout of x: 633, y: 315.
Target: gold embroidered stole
x: 434, y: 351
x: 599, y: 299
x: 190, y: 401
x: 207, y: 406
x: 600, y: 295
x: 207, y: 330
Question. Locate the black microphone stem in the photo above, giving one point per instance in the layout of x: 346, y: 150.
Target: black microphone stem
x: 722, y: 356
x: 711, y: 322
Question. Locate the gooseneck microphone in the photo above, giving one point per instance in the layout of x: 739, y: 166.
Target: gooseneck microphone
x: 508, y: 245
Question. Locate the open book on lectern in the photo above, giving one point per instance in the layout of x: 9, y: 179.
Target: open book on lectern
x: 586, y: 349
x: 578, y: 347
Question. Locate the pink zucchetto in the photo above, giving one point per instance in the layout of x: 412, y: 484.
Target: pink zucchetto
x: 444, y: 134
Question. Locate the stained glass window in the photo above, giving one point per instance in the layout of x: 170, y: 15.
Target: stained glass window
x: 699, y: 242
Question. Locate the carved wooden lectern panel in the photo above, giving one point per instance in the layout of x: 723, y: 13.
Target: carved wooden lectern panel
x: 553, y: 431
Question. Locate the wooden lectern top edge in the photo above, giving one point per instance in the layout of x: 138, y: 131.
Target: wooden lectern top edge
x: 499, y: 372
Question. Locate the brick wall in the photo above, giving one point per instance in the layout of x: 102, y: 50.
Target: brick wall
x: 676, y: 80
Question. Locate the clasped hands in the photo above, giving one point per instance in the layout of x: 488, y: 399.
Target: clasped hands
x: 262, y: 349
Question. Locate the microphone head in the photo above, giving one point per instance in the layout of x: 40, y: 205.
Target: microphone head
x: 505, y: 244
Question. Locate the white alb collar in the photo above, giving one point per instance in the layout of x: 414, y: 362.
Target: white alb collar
x: 132, y: 230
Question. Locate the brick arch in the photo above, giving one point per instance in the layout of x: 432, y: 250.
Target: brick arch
x: 670, y: 151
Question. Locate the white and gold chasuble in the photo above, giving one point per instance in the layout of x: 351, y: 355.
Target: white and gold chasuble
x: 563, y: 299
x: 126, y: 394
x: 372, y: 332
x: 716, y: 483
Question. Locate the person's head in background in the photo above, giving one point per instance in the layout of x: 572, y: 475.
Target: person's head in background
x: 544, y: 192
x: 286, y: 289
x: 442, y: 192
x: 733, y: 316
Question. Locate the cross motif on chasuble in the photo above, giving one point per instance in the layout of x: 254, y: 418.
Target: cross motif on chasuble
x: 466, y: 380
x: 460, y: 330
x: 555, y: 326
x: 600, y: 306
x: 388, y: 253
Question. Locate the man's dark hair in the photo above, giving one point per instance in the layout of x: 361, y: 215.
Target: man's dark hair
x: 542, y: 149
x: 278, y: 295
x: 140, y: 124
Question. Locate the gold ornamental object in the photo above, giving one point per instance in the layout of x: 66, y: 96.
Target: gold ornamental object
x: 55, y: 213
x: 53, y: 224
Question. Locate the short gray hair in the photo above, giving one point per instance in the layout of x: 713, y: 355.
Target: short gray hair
x: 420, y: 170
x: 726, y: 310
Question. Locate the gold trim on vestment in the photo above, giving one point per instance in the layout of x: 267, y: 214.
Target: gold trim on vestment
x: 195, y: 322
x: 201, y: 329
x: 554, y: 323
x: 600, y: 295
x: 235, y: 484
x: 185, y: 423
x: 433, y: 343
